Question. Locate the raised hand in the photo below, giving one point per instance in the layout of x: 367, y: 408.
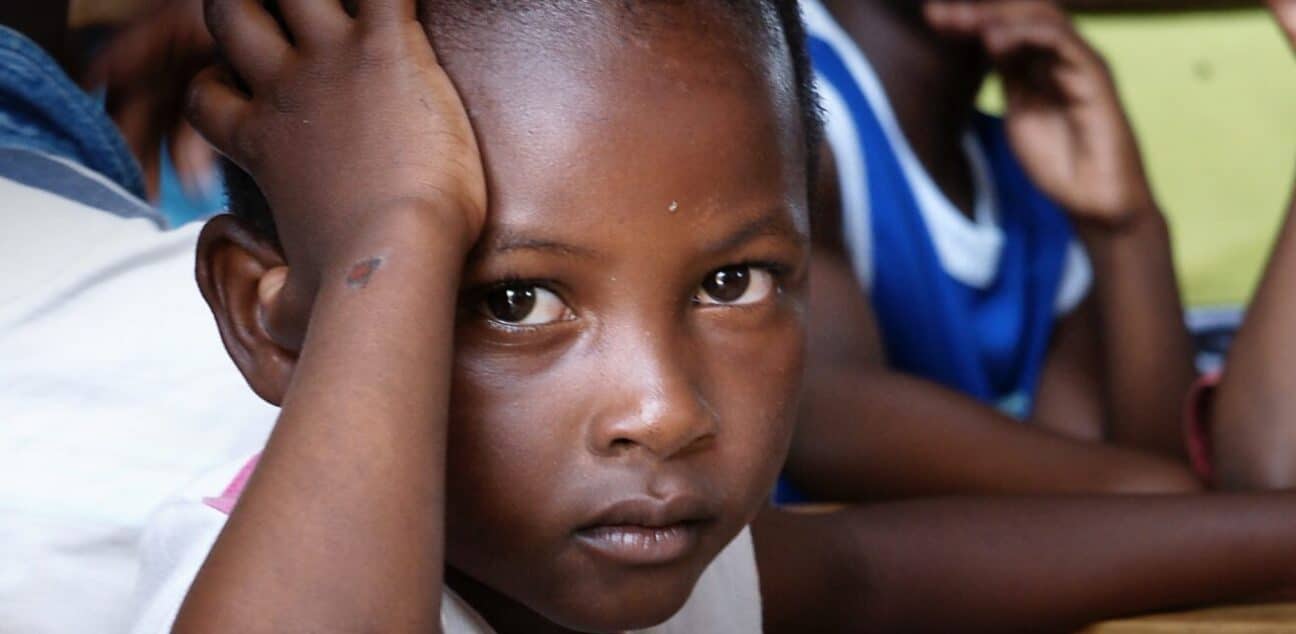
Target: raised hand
x: 146, y: 69
x: 1064, y: 118
x: 339, y: 121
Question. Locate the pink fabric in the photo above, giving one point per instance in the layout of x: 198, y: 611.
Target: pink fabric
x: 225, y: 503
x: 1197, y: 428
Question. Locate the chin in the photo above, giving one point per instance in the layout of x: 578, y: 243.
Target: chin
x: 634, y: 606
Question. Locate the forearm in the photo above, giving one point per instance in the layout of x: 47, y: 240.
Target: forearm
x: 340, y: 528
x: 1254, y: 415
x: 1030, y: 564
x: 1147, y: 351
x: 870, y: 434
x: 1131, y: 6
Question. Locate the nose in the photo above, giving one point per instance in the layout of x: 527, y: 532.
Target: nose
x: 653, y: 404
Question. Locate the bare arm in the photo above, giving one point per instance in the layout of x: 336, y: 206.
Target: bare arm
x: 1254, y: 415
x: 1017, y: 564
x: 1134, y: 6
x: 1147, y: 364
x: 1121, y: 364
x: 867, y: 432
x: 351, y: 329
x: 1254, y: 418
x: 1066, y: 124
x: 350, y: 488
x: 1070, y: 398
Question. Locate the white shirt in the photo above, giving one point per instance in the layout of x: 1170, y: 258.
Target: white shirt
x: 114, y: 391
x: 969, y: 249
x: 726, y: 599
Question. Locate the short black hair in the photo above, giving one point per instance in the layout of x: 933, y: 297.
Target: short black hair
x: 248, y: 203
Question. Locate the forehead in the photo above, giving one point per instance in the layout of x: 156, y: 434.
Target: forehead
x: 589, y: 117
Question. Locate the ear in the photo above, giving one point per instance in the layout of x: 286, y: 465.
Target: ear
x: 242, y: 277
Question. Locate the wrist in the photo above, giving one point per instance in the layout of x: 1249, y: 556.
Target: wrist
x: 1135, y: 219
x: 415, y: 229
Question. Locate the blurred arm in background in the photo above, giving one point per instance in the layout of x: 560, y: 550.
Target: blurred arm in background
x: 145, y: 69
x: 1134, y: 6
x: 1109, y: 410
x: 1252, y: 426
x: 867, y: 432
x: 1119, y: 367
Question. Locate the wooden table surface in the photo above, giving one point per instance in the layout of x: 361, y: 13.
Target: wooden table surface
x: 1239, y: 619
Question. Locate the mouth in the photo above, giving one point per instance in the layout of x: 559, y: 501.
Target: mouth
x: 647, y: 531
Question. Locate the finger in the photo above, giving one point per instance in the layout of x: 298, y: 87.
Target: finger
x: 1285, y: 12
x: 1006, y: 40
x: 216, y: 109
x: 314, y: 21
x: 386, y: 11
x: 969, y: 18
x: 955, y: 18
x: 195, y: 161
x: 136, y: 118
x: 249, y: 38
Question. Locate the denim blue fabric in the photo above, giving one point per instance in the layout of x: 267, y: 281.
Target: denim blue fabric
x: 66, y: 179
x: 42, y: 110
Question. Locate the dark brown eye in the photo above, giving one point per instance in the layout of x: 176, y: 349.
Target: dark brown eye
x: 736, y: 286
x: 727, y: 285
x: 511, y: 304
x: 524, y: 305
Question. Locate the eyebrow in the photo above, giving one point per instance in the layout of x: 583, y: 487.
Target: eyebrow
x: 774, y: 222
x: 507, y: 242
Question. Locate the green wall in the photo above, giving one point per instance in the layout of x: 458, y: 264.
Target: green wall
x: 1213, y: 98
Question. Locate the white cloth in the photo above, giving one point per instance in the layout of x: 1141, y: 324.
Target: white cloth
x: 112, y: 380
x: 726, y: 599
x: 968, y: 248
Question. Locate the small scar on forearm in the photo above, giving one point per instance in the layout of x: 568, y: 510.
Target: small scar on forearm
x: 362, y: 272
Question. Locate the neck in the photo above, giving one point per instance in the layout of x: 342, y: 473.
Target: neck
x: 43, y: 22
x: 931, y: 81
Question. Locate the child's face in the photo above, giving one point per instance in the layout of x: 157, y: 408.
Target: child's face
x: 629, y: 352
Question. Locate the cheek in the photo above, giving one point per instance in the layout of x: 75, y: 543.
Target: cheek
x: 511, y: 437
x: 755, y: 384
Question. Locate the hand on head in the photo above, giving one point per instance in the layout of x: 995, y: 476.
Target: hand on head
x: 324, y: 103
x: 1063, y: 113
x: 146, y: 69
x: 647, y: 246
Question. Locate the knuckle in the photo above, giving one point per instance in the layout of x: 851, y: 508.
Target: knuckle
x: 217, y: 14
x: 285, y: 101
x: 195, y: 104
x: 248, y: 144
x: 377, y: 49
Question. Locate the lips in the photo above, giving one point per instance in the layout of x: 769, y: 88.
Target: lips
x: 647, y: 531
